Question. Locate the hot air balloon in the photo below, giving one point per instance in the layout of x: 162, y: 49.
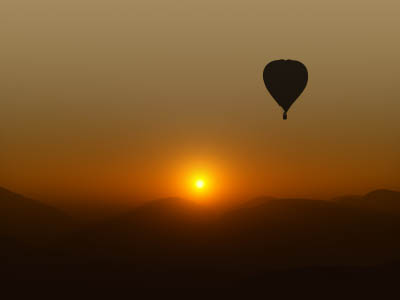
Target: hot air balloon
x: 285, y: 80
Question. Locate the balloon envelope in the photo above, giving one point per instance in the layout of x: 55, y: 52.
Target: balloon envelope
x: 285, y: 80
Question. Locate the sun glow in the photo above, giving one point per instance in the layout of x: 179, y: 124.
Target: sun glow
x: 200, y: 184
x: 200, y: 187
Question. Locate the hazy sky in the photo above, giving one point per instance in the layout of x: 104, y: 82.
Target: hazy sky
x: 132, y: 98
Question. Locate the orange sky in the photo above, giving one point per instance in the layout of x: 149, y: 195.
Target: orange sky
x: 131, y: 98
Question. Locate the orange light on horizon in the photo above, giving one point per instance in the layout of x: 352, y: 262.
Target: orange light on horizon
x: 200, y: 181
x: 200, y: 187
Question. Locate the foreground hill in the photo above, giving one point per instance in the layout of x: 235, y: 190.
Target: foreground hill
x: 304, y: 232
x: 266, y: 233
x: 164, y: 230
x: 172, y: 241
x: 384, y: 201
x: 29, y: 220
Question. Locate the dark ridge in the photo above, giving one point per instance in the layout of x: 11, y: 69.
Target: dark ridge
x: 30, y: 221
x: 170, y: 242
x: 382, y: 201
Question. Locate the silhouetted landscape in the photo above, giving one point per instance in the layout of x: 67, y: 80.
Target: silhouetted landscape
x: 175, y: 242
x: 200, y: 144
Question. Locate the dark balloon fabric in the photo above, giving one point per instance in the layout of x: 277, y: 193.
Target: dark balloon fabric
x: 285, y: 80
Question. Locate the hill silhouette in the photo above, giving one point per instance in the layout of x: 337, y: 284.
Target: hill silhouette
x: 28, y: 220
x: 384, y: 201
x: 303, y: 232
x: 174, y: 241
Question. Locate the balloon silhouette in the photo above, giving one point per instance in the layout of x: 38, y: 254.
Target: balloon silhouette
x: 285, y: 80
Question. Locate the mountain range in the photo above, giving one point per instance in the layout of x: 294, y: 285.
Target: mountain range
x: 174, y: 237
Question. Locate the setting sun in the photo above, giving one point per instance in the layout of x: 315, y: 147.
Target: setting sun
x: 199, y: 184
x: 200, y: 180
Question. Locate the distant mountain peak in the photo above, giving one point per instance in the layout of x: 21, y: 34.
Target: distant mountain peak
x: 6, y: 192
x: 381, y: 200
x: 25, y: 218
x: 383, y: 192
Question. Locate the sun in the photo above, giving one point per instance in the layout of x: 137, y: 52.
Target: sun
x: 199, y: 184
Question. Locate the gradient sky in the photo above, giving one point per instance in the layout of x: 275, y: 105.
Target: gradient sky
x: 121, y: 98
